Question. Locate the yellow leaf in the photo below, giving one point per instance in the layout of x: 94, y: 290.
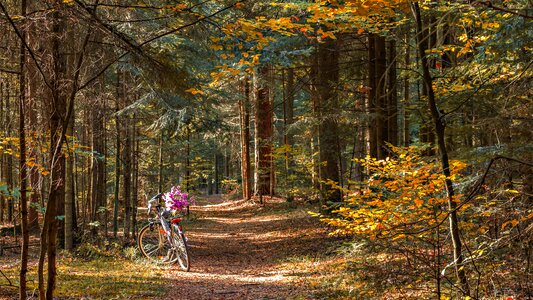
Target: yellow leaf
x: 194, y: 91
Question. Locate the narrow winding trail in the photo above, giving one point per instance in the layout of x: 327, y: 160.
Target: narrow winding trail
x: 238, y: 250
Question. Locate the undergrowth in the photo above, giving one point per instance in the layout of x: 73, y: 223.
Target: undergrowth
x: 103, y: 274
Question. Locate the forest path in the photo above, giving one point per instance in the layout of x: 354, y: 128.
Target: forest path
x: 241, y: 250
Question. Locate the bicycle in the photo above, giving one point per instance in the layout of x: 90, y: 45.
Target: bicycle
x: 162, y: 240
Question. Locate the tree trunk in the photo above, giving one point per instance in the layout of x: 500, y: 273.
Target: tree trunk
x: 380, y: 124
x: 126, y: 158
x: 98, y: 162
x: 244, y: 113
x: 8, y: 164
x: 57, y: 109
x: 117, y: 159
x: 2, y: 155
x: 22, y: 167
x: 372, y: 96
x: 406, y: 95
x: 440, y: 127
x: 392, y: 95
x: 187, y: 164
x: 217, y: 175
x: 69, y: 190
x: 160, y: 165
x: 427, y: 135
x: 328, y: 79
x: 263, y: 131
x: 135, y: 193
x: 315, y: 139
x: 288, y: 120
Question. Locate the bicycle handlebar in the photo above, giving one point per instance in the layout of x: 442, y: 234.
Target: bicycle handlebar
x: 155, y: 200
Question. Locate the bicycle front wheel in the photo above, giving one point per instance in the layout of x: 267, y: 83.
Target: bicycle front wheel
x: 154, y: 245
x: 180, y: 243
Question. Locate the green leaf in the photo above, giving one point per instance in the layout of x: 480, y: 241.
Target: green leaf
x: 4, y: 189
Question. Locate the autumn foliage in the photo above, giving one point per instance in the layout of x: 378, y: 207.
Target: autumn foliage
x: 400, y: 214
x: 403, y: 195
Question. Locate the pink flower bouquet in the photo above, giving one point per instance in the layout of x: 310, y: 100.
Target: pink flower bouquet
x: 175, y: 200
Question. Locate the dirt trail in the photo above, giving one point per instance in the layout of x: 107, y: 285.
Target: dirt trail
x: 238, y: 249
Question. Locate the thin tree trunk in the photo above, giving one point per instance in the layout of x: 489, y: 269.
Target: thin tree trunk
x: 392, y: 95
x: 380, y: 124
x: 406, y: 95
x: 69, y: 190
x: 117, y: 158
x: 372, y: 96
x: 2, y: 155
x: 102, y: 174
x: 22, y: 167
x: 160, y: 166
x: 440, y: 127
x: 135, y: 193
x: 288, y: 120
x: 244, y: 113
x: 217, y: 156
x: 315, y: 138
x: 126, y: 158
x: 187, y: 163
x: 8, y: 171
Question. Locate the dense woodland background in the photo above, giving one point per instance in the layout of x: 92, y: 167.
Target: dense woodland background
x: 106, y: 103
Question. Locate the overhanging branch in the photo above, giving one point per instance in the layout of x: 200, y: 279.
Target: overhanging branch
x: 9, y: 71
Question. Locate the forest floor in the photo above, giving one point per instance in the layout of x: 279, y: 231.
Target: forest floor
x: 239, y: 250
x: 242, y: 250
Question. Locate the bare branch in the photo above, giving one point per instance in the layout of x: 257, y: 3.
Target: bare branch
x: 190, y: 24
x: 30, y: 51
x: 503, y: 9
x: 9, y: 71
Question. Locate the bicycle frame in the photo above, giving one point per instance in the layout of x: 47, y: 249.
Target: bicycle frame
x: 173, y: 234
x: 175, y: 222
x: 159, y: 216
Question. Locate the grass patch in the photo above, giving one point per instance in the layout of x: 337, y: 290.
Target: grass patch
x: 100, y: 278
x: 356, y: 271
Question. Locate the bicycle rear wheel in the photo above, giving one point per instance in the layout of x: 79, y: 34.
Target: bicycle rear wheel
x: 154, y: 245
x: 180, y: 243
